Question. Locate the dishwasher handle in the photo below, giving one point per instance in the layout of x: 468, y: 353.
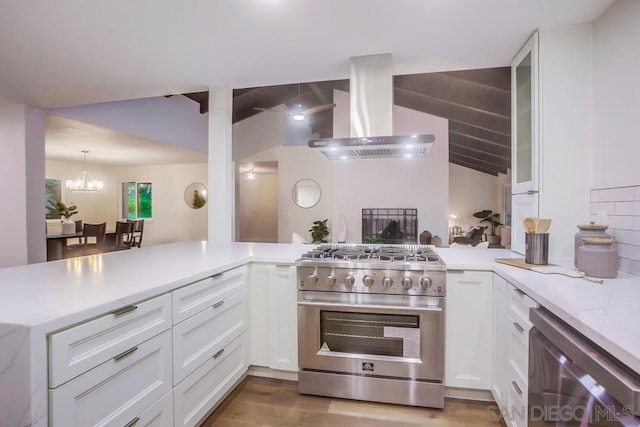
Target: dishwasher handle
x: 619, y: 382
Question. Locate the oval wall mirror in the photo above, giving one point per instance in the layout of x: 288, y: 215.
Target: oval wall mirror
x: 195, y: 195
x: 306, y: 193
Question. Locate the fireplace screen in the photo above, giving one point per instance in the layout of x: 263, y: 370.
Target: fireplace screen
x: 390, y: 226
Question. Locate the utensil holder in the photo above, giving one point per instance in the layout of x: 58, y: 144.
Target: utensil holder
x: 536, y: 248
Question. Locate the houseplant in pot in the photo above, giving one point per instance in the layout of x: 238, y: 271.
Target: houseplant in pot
x: 487, y: 215
x: 68, y: 225
x: 319, y: 231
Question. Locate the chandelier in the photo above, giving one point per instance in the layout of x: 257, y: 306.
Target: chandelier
x: 84, y: 183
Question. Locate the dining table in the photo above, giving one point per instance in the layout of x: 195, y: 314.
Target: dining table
x: 57, y: 243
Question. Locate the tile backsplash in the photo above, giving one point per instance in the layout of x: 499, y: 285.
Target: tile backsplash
x: 621, y: 205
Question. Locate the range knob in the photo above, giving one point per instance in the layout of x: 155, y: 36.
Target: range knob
x: 312, y: 279
x: 387, y: 282
x: 349, y: 281
x: 425, y: 282
x: 407, y: 282
x: 331, y: 279
x: 367, y: 280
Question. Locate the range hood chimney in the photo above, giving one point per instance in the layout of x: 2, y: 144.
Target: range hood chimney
x: 371, y: 124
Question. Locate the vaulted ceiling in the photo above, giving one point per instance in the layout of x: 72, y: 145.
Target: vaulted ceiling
x: 477, y: 104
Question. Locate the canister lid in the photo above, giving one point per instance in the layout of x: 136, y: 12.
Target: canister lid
x: 598, y: 240
x: 592, y: 226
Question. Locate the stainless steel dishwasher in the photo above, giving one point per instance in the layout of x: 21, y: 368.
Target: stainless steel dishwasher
x: 572, y: 381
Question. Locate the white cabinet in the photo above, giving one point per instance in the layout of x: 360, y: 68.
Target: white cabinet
x: 469, y: 329
x: 208, y: 384
x: 78, y: 349
x: 273, y: 317
x: 500, y: 331
x: 511, y: 361
x: 283, y: 318
x: 115, y: 392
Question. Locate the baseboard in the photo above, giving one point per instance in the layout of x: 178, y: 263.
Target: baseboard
x: 261, y: 371
x: 468, y: 394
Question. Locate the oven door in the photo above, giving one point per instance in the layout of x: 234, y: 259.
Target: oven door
x: 395, y: 336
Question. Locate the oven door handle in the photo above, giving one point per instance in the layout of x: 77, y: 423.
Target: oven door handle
x: 380, y: 308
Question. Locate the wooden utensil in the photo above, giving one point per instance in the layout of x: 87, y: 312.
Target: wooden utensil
x: 529, y: 224
x: 543, y: 225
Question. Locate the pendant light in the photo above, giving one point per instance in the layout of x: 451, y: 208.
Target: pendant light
x: 297, y: 113
x: 84, y: 183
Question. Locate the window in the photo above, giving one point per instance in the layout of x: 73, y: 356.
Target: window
x: 53, y: 194
x: 136, y: 200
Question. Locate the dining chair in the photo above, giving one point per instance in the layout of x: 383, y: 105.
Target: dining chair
x: 136, y: 236
x: 91, y: 242
x: 124, y: 235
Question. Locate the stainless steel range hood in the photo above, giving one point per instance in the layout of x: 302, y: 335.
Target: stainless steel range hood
x: 371, y: 108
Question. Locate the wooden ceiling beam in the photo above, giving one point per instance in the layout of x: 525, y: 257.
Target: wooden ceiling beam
x: 480, y: 133
x: 480, y: 163
x: 473, y: 167
x: 452, y: 111
x: 478, y: 145
x: 480, y: 155
x: 499, y: 77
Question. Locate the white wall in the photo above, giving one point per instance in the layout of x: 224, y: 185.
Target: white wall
x: 616, y: 67
x: 420, y: 183
x: 13, y: 190
x: 294, y: 164
x: 471, y: 191
x: 172, y: 220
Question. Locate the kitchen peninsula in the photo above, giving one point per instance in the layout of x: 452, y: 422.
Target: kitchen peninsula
x: 42, y: 300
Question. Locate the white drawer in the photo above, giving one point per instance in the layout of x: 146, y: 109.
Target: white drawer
x: 202, y: 336
x: 199, y: 393
x: 78, y: 349
x: 160, y: 414
x: 117, y: 391
x: 197, y: 296
x: 520, y: 303
x: 518, y: 398
x: 519, y: 346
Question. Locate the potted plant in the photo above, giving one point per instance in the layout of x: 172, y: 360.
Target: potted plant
x: 319, y: 231
x: 68, y: 225
x: 487, y: 215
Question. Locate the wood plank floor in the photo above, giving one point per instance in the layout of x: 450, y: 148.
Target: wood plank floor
x: 269, y: 402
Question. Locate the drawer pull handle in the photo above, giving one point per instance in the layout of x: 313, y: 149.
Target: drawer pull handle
x: 515, y: 385
x: 520, y: 291
x: 218, y: 304
x: 518, y: 327
x: 132, y: 422
x: 124, y: 310
x: 215, y: 276
x: 218, y: 354
x: 453, y: 271
x: 125, y: 353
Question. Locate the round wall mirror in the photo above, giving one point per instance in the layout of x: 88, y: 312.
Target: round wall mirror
x: 196, y: 195
x: 306, y: 193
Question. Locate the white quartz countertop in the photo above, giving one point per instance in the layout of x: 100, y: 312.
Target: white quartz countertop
x: 57, y: 294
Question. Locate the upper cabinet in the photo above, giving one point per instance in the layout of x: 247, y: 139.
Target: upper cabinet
x: 524, y: 122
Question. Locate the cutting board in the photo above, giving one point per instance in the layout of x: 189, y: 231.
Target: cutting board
x: 519, y: 262
x: 546, y: 269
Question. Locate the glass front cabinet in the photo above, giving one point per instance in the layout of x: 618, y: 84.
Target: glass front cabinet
x: 524, y: 139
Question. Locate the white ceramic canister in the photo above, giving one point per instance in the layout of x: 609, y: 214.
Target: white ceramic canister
x: 598, y: 257
x: 588, y: 230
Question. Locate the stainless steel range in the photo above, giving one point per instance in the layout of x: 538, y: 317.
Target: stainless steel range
x: 371, y: 323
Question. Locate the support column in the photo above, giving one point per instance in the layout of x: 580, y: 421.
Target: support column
x: 220, y: 180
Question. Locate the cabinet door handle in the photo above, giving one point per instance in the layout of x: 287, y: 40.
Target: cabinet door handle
x: 531, y: 192
x: 218, y: 304
x: 124, y: 310
x: 218, y: 354
x: 515, y: 385
x: 132, y: 422
x: 124, y: 353
x: 455, y: 271
x: 520, y: 291
x: 518, y: 327
x: 215, y: 276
